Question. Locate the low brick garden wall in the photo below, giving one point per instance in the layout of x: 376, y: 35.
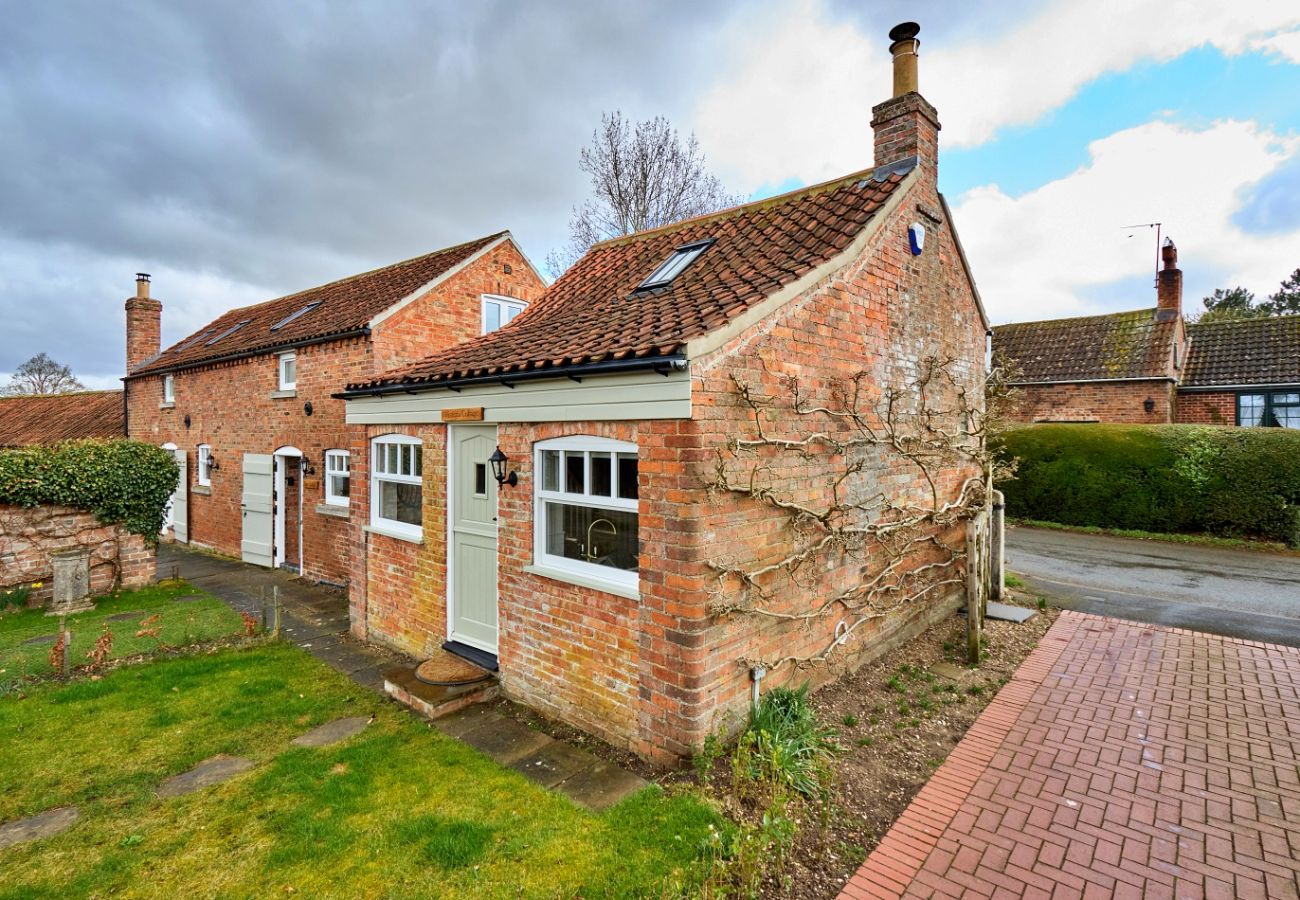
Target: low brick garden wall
x: 29, y: 537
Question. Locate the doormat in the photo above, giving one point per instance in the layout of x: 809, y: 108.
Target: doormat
x: 448, y: 669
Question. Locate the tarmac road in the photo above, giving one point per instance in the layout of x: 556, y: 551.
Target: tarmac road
x: 1238, y: 593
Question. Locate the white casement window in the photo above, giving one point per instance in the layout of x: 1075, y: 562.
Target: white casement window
x: 396, y: 475
x: 288, y: 371
x: 169, y: 389
x: 205, y: 464
x: 498, y: 311
x: 337, y: 479
x: 586, y: 515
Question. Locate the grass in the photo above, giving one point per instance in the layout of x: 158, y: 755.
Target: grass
x: 180, y: 624
x: 1205, y: 540
x: 397, y: 811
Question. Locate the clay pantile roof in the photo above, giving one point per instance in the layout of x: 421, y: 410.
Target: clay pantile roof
x: 593, y: 314
x: 342, y: 307
x: 1088, y: 348
x: 1244, y: 351
x: 50, y: 418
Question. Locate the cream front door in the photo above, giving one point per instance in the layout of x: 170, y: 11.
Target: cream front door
x: 472, y: 588
x: 258, y: 510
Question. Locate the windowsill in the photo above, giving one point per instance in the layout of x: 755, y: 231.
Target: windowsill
x: 393, y: 533
x: 598, y: 584
x: 287, y: 394
x: 204, y: 489
x: 332, y: 509
x: 167, y: 404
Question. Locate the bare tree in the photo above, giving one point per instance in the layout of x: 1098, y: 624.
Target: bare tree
x: 642, y: 176
x: 42, y: 375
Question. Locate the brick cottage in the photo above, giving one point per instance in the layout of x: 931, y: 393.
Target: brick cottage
x: 246, y: 401
x: 538, y: 498
x: 1150, y: 366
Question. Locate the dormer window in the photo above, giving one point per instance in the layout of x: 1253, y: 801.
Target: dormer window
x: 674, y: 265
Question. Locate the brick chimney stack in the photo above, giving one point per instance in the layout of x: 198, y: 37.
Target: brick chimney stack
x: 906, y: 125
x: 143, y: 324
x: 1169, y: 290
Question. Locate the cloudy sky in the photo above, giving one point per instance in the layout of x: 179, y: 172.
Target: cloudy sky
x: 239, y: 151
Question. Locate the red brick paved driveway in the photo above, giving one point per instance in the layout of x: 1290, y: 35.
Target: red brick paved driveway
x: 1121, y: 760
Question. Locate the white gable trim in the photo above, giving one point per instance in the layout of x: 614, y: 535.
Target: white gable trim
x: 450, y: 273
x: 707, y: 343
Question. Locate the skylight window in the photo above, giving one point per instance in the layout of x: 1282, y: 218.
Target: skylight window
x: 227, y: 333
x: 287, y: 319
x: 192, y: 341
x: 674, y: 265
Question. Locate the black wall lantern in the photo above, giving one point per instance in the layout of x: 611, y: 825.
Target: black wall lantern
x: 213, y: 465
x: 307, y: 408
x: 1148, y: 404
x: 187, y: 420
x: 498, y: 461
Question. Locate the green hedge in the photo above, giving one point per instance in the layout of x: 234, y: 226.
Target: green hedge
x: 126, y: 482
x: 1235, y: 482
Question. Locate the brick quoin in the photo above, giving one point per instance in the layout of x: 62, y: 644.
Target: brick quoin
x: 231, y: 408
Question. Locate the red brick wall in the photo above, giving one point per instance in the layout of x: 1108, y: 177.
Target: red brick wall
x: 457, y: 314
x: 30, y: 536
x: 231, y: 408
x: 1206, y: 408
x: 143, y: 330
x: 1116, y: 401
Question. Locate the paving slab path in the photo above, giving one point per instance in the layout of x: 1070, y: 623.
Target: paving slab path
x: 332, y: 732
x: 210, y: 772
x: 316, y: 618
x: 41, y: 825
x: 1121, y: 760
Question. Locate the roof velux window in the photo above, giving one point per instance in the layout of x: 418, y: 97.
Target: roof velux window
x: 674, y: 265
x: 289, y: 318
x: 228, y: 332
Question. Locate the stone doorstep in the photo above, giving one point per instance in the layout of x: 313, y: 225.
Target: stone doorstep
x: 431, y: 700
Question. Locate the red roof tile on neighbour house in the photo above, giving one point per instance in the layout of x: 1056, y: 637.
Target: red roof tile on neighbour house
x: 593, y: 314
x: 342, y: 307
x: 50, y: 418
x: 1088, y: 348
x: 1245, y: 351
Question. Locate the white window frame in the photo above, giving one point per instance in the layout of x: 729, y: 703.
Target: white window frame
x: 169, y: 389
x: 203, y: 470
x: 332, y: 498
x: 392, y: 527
x: 625, y: 583
x: 502, y: 304
x: 285, y: 383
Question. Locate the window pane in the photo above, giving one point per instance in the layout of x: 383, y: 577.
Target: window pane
x: 340, y: 485
x: 602, y: 537
x: 550, y: 470
x: 290, y: 371
x: 627, y: 481
x: 574, y: 477
x: 491, y: 316
x: 391, y: 465
x: 1250, y: 409
x: 512, y: 310
x: 1286, y: 398
x: 419, y: 460
x: 480, y: 478
x: 602, y: 475
x: 399, y: 502
x: 1287, y: 416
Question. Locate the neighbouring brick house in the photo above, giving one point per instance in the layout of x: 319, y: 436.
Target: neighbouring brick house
x: 246, y: 401
x: 540, y: 494
x: 50, y: 418
x: 1150, y: 366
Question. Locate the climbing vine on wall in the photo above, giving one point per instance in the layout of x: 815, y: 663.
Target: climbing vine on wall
x: 120, y: 481
x: 869, y: 484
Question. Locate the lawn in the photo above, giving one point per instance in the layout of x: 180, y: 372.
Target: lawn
x: 180, y: 622
x: 397, y: 811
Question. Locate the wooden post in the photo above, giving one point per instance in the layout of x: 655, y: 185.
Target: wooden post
x: 263, y: 606
x: 275, y: 599
x: 66, y: 637
x: 998, y: 546
x: 974, y: 607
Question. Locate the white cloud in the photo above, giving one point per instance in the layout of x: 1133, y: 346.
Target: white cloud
x: 1286, y: 45
x: 799, y: 86
x: 1036, y: 255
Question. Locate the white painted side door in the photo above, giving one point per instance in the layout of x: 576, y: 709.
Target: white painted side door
x: 180, y: 511
x: 258, y: 509
x: 473, y: 613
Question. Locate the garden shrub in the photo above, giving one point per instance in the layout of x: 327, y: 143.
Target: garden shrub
x: 1234, y: 482
x: 120, y: 481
